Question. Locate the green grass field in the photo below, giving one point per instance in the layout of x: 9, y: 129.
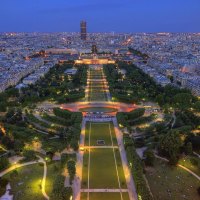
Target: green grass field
x: 97, y: 92
x: 102, y: 161
x: 100, y: 131
x: 193, y: 166
x: 102, y: 166
x: 96, y: 88
x: 27, y: 184
x: 174, y: 182
x: 105, y: 196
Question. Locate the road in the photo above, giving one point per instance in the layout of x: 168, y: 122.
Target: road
x: 121, y: 107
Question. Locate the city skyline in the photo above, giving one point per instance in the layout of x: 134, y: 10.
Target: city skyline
x: 117, y: 16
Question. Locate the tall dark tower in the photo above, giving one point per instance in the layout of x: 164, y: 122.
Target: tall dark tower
x: 83, y: 30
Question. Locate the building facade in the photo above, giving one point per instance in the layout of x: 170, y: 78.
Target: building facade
x: 83, y: 30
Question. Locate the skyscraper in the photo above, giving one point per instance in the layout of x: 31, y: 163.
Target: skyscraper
x: 83, y: 30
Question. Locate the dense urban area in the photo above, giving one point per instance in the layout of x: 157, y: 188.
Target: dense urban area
x: 102, y: 116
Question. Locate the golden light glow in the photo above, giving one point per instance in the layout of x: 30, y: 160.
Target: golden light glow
x: 3, y: 130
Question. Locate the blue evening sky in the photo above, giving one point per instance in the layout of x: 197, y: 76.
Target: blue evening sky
x: 101, y: 15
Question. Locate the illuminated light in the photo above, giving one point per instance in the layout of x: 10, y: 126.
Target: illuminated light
x: 46, y: 158
x: 139, y: 197
x: 120, y: 125
x: 2, y: 129
x: 82, y: 148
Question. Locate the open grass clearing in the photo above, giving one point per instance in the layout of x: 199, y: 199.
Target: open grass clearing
x: 168, y: 182
x: 27, y: 183
x: 102, y: 171
x: 100, y: 131
x: 192, y: 163
x: 105, y: 196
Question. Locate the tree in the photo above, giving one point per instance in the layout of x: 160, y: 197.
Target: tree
x: 169, y: 145
x: 160, y: 99
x: 18, y: 145
x: 4, y: 163
x: 71, y: 166
x: 74, y: 144
x: 197, y: 106
x: 195, y: 140
x: 7, y: 142
x: 3, y: 184
x: 198, y: 190
x: 136, y: 113
x: 29, y: 155
x: 3, y: 107
x: 183, y: 100
x: 149, y: 157
x: 188, y: 148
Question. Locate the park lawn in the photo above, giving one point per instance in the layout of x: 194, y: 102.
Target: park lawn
x: 27, y: 184
x: 98, y: 109
x: 102, y: 163
x: 97, y: 97
x: 97, y: 91
x: 168, y: 182
x: 100, y: 131
x: 87, y: 132
x: 186, y: 162
x: 97, y: 94
x: 105, y: 196
x: 96, y: 76
x: 120, y: 169
x: 95, y: 73
x: 84, y: 183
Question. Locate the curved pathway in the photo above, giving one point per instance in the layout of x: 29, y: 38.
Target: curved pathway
x: 181, y: 166
x: 41, y: 160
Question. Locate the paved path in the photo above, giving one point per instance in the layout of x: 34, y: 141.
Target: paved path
x: 100, y: 147
x: 44, y: 178
x: 121, y: 107
x: 41, y: 160
x: 79, y: 165
x: 196, y: 154
x: 15, y: 166
x: 104, y: 190
x: 174, y: 120
x: 128, y: 175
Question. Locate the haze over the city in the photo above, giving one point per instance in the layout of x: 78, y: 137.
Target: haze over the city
x: 103, y: 16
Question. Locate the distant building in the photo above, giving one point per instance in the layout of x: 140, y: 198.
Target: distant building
x: 71, y: 71
x: 83, y: 30
x: 94, y: 49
